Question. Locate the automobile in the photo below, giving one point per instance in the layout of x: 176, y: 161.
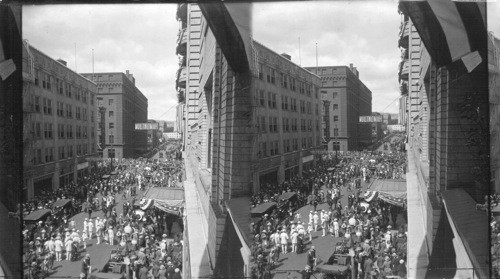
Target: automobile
x: 160, y: 154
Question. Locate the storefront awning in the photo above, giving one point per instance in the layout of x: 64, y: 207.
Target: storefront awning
x: 168, y: 199
x: 240, y: 214
x: 37, y: 215
x: 392, y: 191
x: 262, y: 208
x: 61, y: 203
x: 287, y: 196
x: 471, y: 226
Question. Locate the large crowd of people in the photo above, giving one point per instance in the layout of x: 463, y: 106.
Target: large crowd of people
x: 144, y: 241
x: 371, y: 233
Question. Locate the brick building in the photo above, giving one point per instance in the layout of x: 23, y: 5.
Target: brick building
x: 59, y: 123
x: 121, y: 105
x: 345, y: 98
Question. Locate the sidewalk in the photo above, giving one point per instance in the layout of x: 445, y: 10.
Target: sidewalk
x: 418, y: 260
x: 198, y: 254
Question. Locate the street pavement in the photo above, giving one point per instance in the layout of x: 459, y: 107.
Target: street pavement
x: 290, y: 263
x: 99, y: 253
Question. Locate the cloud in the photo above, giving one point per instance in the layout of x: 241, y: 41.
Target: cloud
x: 139, y: 38
x: 362, y: 33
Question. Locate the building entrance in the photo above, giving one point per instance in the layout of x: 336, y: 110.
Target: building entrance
x: 42, y: 185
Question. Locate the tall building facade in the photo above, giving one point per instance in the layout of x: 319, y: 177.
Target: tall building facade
x: 448, y: 167
x: 494, y: 83
x: 243, y: 129
x: 59, y: 123
x: 120, y: 105
x: 345, y: 98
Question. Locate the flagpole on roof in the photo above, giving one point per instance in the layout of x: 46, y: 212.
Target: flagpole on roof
x: 316, y: 58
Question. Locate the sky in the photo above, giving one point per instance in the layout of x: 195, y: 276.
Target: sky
x: 142, y: 38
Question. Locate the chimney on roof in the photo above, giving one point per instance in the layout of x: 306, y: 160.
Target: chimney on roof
x: 62, y: 62
x: 287, y: 56
x: 354, y: 70
x: 130, y: 76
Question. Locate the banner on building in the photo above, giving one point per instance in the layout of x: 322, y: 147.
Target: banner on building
x: 231, y: 25
x: 450, y: 30
x: 147, y: 126
x: 370, y: 118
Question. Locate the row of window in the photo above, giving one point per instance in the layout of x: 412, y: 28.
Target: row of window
x: 63, y: 131
x: 45, y: 80
x: 61, y: 109
x: 269, y: 74
x: 46, y: 155
x: 272, y: 148
x: 288, y: 125
x: 270, y: 102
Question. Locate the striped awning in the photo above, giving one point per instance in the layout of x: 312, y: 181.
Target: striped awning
x: 450, y: 30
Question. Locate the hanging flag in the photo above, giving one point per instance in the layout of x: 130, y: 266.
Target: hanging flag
x: 450, y: 30
x: 231, y: 26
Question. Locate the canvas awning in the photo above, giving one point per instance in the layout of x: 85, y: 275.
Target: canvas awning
x: 287, y: 196
x: 471, y: 225
x: 37, y: 215
x: 392, y: 191
x: 61, y: 203
x: 262, y: 208
x: 168, y: 199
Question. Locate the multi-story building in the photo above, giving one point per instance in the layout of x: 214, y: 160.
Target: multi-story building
x: 345, y: 99
x: 59, y: 123
x: 448, y: 165
x: 154, y: 135
x: 121, y: 105
x: 494, y: 83
x: 243, y: 129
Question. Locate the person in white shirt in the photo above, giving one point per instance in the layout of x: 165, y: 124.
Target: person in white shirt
x: 84, y: 239
x: 49, y: 245
x: 111, y: 236
x: 310, y: 229
x: 324, y: 222
x: 98, y: 230
x: 90, y: 229
x: 85, y: 224
x: 300, y: 229
x: 336, y: 227
x: 315, y: 221
x: 294, y: 238
x: 69, y: 248
x: 277, y: 238
x: 284, y: 241
x: 58, y: 248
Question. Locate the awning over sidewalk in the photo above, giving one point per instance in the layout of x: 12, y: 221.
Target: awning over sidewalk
x: 471, y: 226
x: 262, y: 208
x: 37, y: 215
x: 239, y: 210
x: 392, y: 191
x: 61, y: 203
x: 287, y: 196
x: 168, y: 199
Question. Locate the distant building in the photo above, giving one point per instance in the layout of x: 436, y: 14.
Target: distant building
x: 396, y: 128
x: 121, y: 105
x: 345, y: 98
x: 154, y: 135
x: 172, y: 136
x: 59, y: 123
